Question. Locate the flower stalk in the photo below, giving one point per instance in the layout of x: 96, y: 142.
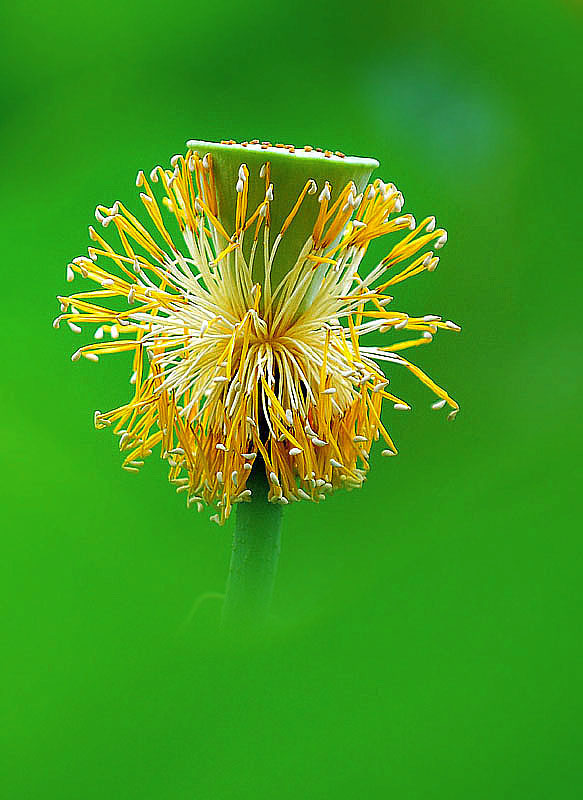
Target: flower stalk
x: 254, y: 557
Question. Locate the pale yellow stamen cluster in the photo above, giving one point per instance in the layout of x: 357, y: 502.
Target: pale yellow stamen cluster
x: 227, y: 368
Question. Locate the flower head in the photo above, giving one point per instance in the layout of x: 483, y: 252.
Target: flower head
x: 244, y: 307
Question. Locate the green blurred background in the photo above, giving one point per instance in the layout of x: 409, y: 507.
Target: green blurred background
x: 427, y: 632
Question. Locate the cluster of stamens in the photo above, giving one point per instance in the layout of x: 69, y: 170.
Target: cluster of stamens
x: 229, y: 370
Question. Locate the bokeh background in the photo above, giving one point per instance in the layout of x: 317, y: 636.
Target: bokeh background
x: 426, y: 640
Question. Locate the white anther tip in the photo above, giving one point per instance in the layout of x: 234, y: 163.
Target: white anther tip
x: 438, y: 404
x: 441, y: 241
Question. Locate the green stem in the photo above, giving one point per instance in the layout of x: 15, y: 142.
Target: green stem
x: 256, y: 544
